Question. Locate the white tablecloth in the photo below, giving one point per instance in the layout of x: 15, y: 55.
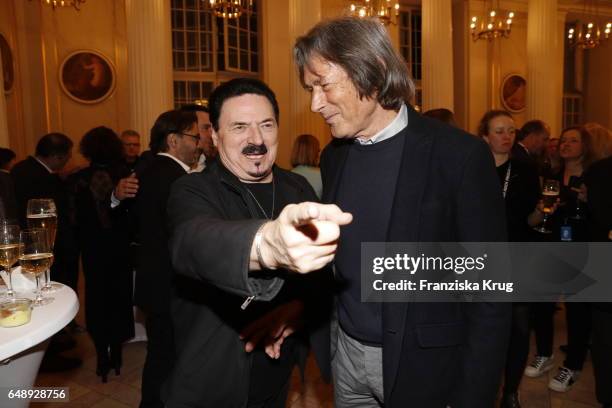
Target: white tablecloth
x: 46, y: 321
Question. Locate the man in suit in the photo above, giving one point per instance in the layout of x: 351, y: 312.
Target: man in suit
x: 174, y: 140
x: 131, y: 148
x: 432, y: 183
x: 531, y: 139
x: 8, y: 210
x: 236, y: 232
x: 207, y: 150
x: 597, y: 180
x: 37, y: 177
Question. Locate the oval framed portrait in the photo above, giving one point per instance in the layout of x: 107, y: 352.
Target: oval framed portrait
x: 87, y: 76
x: 8, y: 67
x: 514, y: 93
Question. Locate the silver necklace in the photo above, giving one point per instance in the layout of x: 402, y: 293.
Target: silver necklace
x: 259, y: 205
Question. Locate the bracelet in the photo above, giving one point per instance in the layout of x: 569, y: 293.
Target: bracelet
x: 258, y: 237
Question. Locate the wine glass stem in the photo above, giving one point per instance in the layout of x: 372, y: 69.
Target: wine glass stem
x: 39, y: 297
x: 47, y: 278
x: 545, y: 221
x: 9, y: 291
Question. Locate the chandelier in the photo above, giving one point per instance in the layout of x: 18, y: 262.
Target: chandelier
x: 230, y: 8
x: 493, y: 25
x: 385, y: 10
x: 64, y: 3
x: 588, y: 35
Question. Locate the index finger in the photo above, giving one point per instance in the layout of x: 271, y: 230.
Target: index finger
x: 302, y: 213
x: 331, y: 212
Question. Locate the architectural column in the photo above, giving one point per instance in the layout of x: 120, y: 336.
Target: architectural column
x: 149, y: 62
x: 4, y: 136
x: 437, y: 46
x: 544, y: 63
x: 303, y: 15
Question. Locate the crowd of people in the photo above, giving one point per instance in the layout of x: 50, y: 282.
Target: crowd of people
x: 241, y: 266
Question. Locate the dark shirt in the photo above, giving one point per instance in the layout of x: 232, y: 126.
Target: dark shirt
x: 522, y: 196
x: 366, y: 191
x: 571, y: 213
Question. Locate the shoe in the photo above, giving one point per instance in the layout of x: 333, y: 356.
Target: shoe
x: 102, y: 371
x: 510, y: 401
x: 116, y: 358
x: 53, y: 363
x: 103, y: 364
x: 564, y: 380
x: 539, y: 366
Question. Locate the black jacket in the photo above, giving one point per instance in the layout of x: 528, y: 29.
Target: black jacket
x: 154, y: 271
x: 439, y: 354
x: 7, y: 194
x: 213, y: 222
x: 33, y: 180
x: 598, y: 179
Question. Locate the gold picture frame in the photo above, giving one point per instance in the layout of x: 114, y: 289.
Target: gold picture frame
x: 87, y: 76
x: 513, y: 93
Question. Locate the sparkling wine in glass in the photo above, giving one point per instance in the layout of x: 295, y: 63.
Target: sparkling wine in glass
x: 41, y: 213
x: 35, y: 257
x: 9, y: 251
x: 550, y: 194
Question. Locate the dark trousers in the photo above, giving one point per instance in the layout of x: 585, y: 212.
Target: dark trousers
x: 277, y: 401
x: 159, y: 360
x: 578, y: 317
x: 601, y: 352
x: 518, y: 348
x: 543, y: 326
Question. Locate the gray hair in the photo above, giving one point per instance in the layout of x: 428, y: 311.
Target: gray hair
x: 361, y: 46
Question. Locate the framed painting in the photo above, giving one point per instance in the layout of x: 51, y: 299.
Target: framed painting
x: 87, y: 76
x: 8, y: 67
x: 514, y: 93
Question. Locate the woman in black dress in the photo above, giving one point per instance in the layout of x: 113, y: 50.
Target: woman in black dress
x: 521, y: 191
x: 104, y: 242
x: 570, y: 223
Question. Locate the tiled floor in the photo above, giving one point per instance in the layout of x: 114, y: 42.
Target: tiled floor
x: 122, y: 391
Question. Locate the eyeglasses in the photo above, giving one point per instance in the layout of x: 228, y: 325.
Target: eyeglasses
x: 196, y: 138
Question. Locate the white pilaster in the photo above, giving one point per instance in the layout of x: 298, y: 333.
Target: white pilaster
x: 437, y: 46
x: 149, y: 62
x: 544, y: 64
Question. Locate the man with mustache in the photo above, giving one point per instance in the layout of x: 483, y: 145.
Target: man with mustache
x: 432, y: 183
x: 237, y: 236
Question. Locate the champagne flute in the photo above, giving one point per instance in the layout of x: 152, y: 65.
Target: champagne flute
x: 9, y: 251
x: 41, y: 213
x: 550, y: 194
x: 35, y: 257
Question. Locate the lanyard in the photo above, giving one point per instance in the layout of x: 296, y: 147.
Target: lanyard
x: 507, y: 180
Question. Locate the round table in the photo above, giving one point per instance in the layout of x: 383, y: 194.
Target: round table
x: 22, y: 348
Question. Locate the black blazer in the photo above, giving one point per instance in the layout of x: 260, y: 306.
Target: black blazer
x: 7, y: 194
x: 33, y: 180
x: 439, y: 354
x: 154, y: 271
x: 213, y: 222
x: 518, y: 152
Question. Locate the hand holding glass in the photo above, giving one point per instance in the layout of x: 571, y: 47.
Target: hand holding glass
x: 550, y: 194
